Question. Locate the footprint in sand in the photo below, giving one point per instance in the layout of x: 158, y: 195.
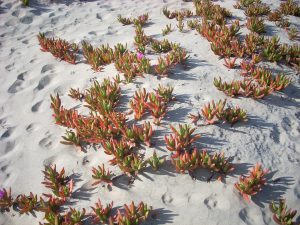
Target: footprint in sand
x: 167, y: 199
x: 7, y: 133
x: 36, y: 106
x: 11, y: 22
x: 44, y: 81
x: 251, y: 216
x: 98, y: 16
x: 17, y: 85
x: 10, y: 67
x: 210, y: 202
x: 45, y: 142
x: 9, y: 146
x: 31, y: 127
x: 26, y: 19
x: 47, y: 67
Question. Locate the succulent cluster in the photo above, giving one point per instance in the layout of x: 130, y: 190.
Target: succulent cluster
x: 189, y: 161
x: 210, y: 11
x: 290, y: 8
x: 177, y: 14
x: 155, y: 102
x: 245, y: 88
x: 255, y: 24
x: 214, y: 112
x: 168, y: 29
x: 97, y: 57
x: 132, y: 65
x: 59, y: 48
x: 181, y: 139
x: 258, y: 82
x: 252, y: 183
x: 140, y: 20
x: 54, y: 206
x: 281, y: 214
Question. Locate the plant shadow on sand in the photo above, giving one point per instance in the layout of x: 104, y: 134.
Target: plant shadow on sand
x: 286, y: 99
x: 82, y: 193
x: 274, y: 190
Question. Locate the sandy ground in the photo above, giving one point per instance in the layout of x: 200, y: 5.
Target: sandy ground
x: 29, y: 139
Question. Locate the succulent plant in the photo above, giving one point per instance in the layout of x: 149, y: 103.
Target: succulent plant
x: 60, y: 185
x: 27, y: 204
x: 168, y: 29
x: 157, y: 107
x: 252, y: 184
x: 132, y: 214
x: 230, y: 63
x: 138, y: 103
x: 181, y: 139
x: 100, y: 174
x: 6, y: 200
x: 290, y: 8
x: 155, y: 162
x: 124, y: 20
x: 59, y: 48
x: 281, y: 215
x: 255, y: 24
x: 102, y: 214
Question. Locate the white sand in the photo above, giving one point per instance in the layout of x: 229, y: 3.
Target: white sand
x: 29, y: 139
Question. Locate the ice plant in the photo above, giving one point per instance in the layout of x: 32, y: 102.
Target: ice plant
x: 118, y: 148
x: 161, y: 46
x: 178, y: 55
x: 50, y: 204
x: 100, y: 174
x: 168, y: 29
x: 292, y: 33
x: 155, y: 162
x: 74, y: 217
x: 60, y: 184
x: 103, y: 98
x: 193, y: 24
x: 272, y: 51
x: 187, y: 161
x: 180, y: 24
x: 76, y: 94
x: 157, y: 107
x: 141, y: 20
x: 217, y: 163
x: 140, y: 38
x: 27, y: 204
x: 138, y: 103
x: 256, y: 25
x: 165, y: 92
x: 290, y: 8
x: 136, y: 134
x: 233, y: 115
x: 211, y: 111
x: 181, y: 139
x: 164, y: 66
x: 132, y: 164
x: 230, y: 63
x: 71, y: 138
x: 132, y: 214
x: 102, y: 214
x: 252, y: 184
x: 59, y: 48
x: 281, y: 215
x: 6, y: 200
x: 124, y: 20
x: 257, y: 9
